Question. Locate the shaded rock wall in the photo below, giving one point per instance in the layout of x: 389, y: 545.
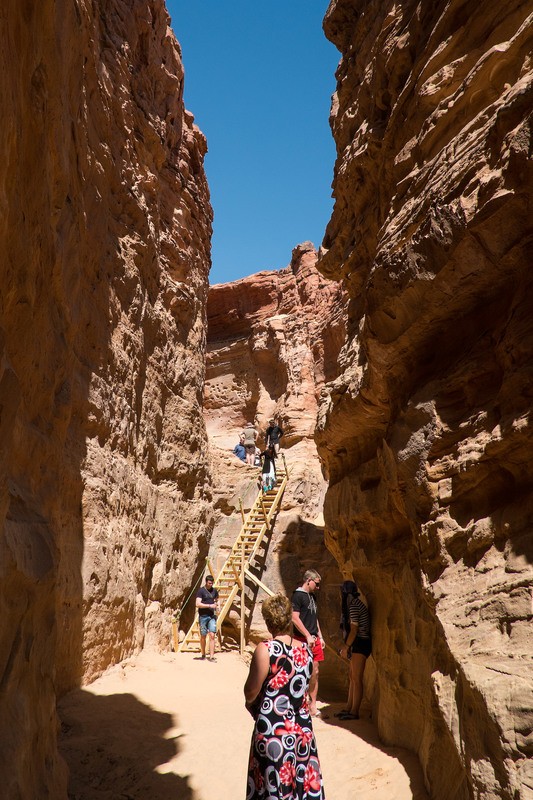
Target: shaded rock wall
x: 273, y: 339
x: 426, y: 435
x: 105, y: 230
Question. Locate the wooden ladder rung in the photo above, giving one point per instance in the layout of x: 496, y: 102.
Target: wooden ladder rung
x: 250, y: 540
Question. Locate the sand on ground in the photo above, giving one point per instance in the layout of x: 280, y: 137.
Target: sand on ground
x: 173, y: 727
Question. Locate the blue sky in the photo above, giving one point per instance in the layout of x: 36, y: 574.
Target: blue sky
x: 259, y: 79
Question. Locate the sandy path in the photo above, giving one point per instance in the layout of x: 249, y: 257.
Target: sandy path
x: 171, y: 727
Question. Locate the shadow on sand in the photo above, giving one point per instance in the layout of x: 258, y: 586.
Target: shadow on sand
x: 366, y: 730
x: 113, y: 746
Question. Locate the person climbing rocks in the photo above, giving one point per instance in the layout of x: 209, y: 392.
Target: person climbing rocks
x: 207, y: 605
x: 268, y: 469
x: 273, y: 435
x: 355, y: 625
x: 307, y: 628
x: 250, y: 435
x: 239, y: 449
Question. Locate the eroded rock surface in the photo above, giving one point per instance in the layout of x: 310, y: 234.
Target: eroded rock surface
x: 426, y: 435
x: 273, y: 339
x: 105, y: 230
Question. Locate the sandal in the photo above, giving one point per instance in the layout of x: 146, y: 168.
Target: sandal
x: 341, y: 712
x: 348, y: 716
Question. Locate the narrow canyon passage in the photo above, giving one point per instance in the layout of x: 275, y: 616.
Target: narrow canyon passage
x: 397, y: 356
x: 171, y: 727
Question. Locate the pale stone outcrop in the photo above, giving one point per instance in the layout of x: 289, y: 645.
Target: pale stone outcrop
x: 273, y: 339
x: 105, y: 230
x: 426, y: 435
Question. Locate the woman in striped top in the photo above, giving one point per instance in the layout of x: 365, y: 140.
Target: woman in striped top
x: 355, y: 624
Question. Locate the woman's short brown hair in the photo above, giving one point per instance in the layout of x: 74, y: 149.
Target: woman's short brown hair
x: 277, y: 613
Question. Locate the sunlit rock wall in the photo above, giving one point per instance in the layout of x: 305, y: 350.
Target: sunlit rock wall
x: 426, y: 436
x: 104, y: 231
x: 273, y: 339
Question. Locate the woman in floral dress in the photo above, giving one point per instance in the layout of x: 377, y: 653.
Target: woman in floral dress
x: 283, y: 756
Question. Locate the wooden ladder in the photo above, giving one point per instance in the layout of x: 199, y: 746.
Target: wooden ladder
x: 235, y: 570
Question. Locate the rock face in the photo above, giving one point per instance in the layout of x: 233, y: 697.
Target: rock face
x: 105, y: 231
x: 273, y: 339
x: 426, y: 435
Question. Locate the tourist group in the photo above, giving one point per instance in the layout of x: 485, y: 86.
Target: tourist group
x: 247, y: 451
x: 282, y: 685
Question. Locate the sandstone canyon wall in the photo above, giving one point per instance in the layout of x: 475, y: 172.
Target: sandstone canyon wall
x: 273, y: 340
x: 105, y: 233
x: 426, y: 435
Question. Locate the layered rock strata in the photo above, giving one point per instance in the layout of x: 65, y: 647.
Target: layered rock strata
x: 105, y: 230
x: 426, y: 435
x: 273, y: 339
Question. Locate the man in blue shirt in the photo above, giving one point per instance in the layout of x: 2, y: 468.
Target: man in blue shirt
x: 207, y: 605
x: 239, y: 449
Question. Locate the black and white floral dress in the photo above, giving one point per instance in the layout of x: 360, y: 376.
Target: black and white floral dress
x: 283, y: 757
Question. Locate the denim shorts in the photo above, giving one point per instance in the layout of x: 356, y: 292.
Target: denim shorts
x: 207, y: 624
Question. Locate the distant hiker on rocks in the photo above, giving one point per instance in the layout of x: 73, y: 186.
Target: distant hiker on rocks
x: 307, y: 629
x: 250, y: 435
x: 268, y: 469
x: 273, y: 435
x: 239, y: 449
x: 207, y: 605
x: 355, y: 625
